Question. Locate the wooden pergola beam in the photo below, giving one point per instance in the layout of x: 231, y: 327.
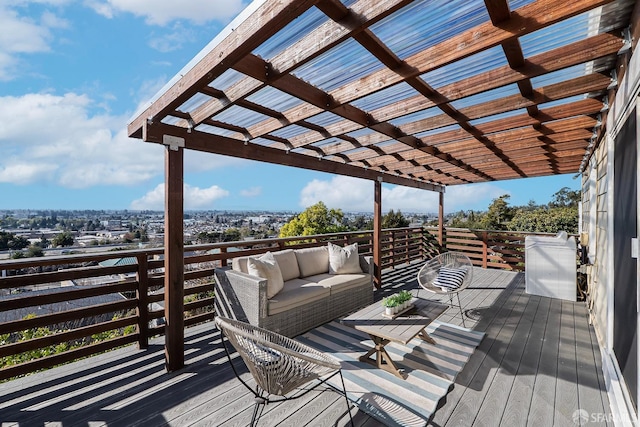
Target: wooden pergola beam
x: 527, y: 19
x: 216, y: 144
x: 267, y: 20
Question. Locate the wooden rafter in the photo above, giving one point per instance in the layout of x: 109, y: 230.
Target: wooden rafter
x: 448, y: 142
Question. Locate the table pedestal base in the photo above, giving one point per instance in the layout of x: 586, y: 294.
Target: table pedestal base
x: 383, y: 359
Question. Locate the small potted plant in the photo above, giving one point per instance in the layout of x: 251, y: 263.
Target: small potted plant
x: 390, y: 304
x: 405, y: 297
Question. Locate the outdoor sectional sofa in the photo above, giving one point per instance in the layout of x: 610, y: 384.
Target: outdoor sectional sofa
x: 313, y: 290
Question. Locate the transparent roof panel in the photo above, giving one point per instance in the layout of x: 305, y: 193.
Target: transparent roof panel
x: 384, y: 144
x: 515, y: 4
x: 239, y: 116
x: 473, y: 65
x: 385, y: 97
x: 215, y: 130
x: 274, y: 99
x: 566, y: 32
x: 291, y: 33
x: 418, y: 115
x: 426, y: 23
x: 343, y: 64
x: 559, y: 76
x: 438, y: 131
x: 227, y: 79
x: 563, y: 101
x: 496, y: 117
x: 360, y: 133
x: 325, y: 119
x: 289, y: 131
x: 194, y: 102
x: 170, y: 120
x: 490, y: 95
x: 327, y: 142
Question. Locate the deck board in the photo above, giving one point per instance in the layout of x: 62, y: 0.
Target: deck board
x: 537, y: 364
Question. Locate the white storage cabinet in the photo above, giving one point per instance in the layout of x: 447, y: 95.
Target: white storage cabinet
x: 550, y: 266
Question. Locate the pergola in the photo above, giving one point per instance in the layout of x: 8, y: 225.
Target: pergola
x: 420, y: 93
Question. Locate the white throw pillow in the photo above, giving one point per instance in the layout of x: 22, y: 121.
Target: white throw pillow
x: 344, y: 260
x: 266, y: 267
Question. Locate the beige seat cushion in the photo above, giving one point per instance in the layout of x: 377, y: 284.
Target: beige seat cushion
x: 288, y: 264
x: 343, y: 260
x: 313, y: 260
x: 340, y: 282
x: 296, y: 293
x: 266, y: 267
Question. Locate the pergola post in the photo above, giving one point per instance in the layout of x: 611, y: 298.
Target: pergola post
x: 174, y: 258
x: 441, y: 219
x: 377, y: 233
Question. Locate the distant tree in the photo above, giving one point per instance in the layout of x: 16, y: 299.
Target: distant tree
x: 361, y: 223
x: 394, y: 220
x: 498, y: 215
x: 316, y: 219
x: 63, y: 239
x: 18, y: 255
x: 546, y: 220
x: 231, y: 235
x: 34, y: 251
x: 565, y: 197
x: 44, y: 243
x: 11, y: 241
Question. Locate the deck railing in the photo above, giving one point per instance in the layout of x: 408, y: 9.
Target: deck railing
x: 87, y: 303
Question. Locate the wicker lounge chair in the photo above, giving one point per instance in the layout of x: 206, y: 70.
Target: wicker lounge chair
x: 278, y: 364
x: 447, y: 274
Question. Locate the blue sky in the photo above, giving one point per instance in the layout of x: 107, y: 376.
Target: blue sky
x: 73, y: 72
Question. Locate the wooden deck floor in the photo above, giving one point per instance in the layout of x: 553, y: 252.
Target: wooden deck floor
x: 537, y: 365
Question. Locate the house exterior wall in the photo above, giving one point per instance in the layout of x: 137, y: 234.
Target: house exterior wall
x: 594, y: 223
x: 597, y: 221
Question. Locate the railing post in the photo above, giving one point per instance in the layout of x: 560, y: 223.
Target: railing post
x: 223, y: 261
x: 407, y: 245
x: 377, y: 233
x: 142, y: 295
x: 484, y: 249
x: 392, y: 247
x: 441, y: 219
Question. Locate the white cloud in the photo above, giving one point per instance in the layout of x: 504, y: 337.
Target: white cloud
x: 57, y: 139
x: 161, y: 12
x: 194, y: 198
x: 170, y: 41
x: 251, y: 192
x: 21, y: 35
x: 356, y: 195
x: 341, y: 192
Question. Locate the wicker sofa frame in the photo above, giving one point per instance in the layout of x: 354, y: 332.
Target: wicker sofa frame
x: 243, y: 297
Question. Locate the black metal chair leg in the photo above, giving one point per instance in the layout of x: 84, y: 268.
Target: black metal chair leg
x: 460, y: 307
x: 344, y: 390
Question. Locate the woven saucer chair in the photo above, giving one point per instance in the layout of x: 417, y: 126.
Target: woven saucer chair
x: 278, y: 364
x: 447, y: 274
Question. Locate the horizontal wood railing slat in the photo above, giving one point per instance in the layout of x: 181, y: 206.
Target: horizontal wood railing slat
x: 74, y: 294
x: 60, y: 337
x: 66, y: 316
x: 60, y: 358
x: 486, y: 248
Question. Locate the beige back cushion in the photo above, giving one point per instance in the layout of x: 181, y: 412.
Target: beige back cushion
x: 240, y: 264
x: 288, y: 264
x: 312, y: 261
x: 266, y: 267
x: 344, y: 260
